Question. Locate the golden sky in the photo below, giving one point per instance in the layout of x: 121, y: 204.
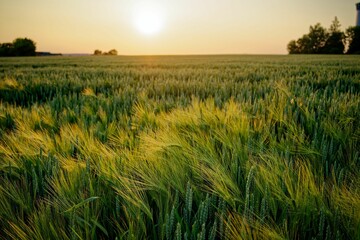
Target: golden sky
x: 136, y: 27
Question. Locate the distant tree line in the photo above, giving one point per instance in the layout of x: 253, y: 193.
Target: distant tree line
x: 112, y: 52
x: 320, y: 40
x: 19, y: 47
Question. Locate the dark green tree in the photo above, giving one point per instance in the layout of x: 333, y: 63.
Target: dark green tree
x: 311, y: 43
x: 97, y: 52
x: 292, y: 47
x: 335, y: 42
x: 317, y: 39
x: 24, y: 47
x: 113, y: 52
x: 6, y: 50
x: 353, y: 40
x: 305, y: 44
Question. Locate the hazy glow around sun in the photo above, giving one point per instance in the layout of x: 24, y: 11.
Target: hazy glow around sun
x: 148, y: 17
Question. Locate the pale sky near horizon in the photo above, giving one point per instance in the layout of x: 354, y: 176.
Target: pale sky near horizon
x: 172, y: 27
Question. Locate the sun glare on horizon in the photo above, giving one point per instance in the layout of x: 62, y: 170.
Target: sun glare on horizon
x: 148, y: 17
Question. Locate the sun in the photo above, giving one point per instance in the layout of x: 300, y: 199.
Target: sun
x: 148, y: 17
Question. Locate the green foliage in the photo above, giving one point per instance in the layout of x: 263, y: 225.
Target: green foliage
x: 6, y: 50
x: 187, y: 147
x: 335, y: 42
x: 24, y: 47
x: 19, y: 47
x: 112, y: 52
x: 353, y: 36
x: 320, y: 40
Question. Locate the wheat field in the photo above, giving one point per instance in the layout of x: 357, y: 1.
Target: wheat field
x: 180, y: 147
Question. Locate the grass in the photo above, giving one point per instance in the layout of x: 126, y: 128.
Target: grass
x: 180, y: 147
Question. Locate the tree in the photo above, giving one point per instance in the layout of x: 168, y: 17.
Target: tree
x: 97, y: 52
x: 335, y: 26
x: 19, y: 47
x: 113, y: 52
x: 335, y: 42
x: 6, y: 50
x: 292, y: 47
x: 353, y: 40
x: 24, y: 47
x: 317, y: 39
x: 304, y: 44
x: 311, y: 43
